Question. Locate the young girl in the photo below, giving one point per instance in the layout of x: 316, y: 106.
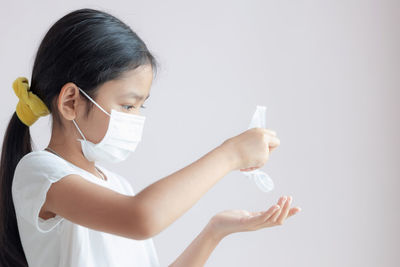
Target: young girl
x: 59, y: 207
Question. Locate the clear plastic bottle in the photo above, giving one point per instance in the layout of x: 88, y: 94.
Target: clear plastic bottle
x: 261, y: 179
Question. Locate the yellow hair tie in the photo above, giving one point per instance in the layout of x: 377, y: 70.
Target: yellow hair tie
x: 30, y: 107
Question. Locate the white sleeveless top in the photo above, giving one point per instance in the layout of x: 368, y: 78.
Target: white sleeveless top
x: 61, y: 243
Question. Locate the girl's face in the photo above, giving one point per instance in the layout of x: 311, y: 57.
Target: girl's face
x: 126, y: 94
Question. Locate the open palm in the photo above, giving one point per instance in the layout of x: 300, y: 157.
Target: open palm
x: 231, y: 221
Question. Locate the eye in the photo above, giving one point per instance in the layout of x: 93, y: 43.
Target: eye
x: 128, y: 107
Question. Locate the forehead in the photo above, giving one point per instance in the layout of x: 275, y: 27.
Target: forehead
x: 131, y: 84
x: 135, y: 95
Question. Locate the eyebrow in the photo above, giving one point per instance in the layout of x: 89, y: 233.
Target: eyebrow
x: 135, y: 95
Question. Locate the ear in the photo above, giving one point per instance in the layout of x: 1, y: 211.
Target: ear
x: 68, y: 101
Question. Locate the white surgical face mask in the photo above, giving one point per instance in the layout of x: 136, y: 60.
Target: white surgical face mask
x: 123, y: 134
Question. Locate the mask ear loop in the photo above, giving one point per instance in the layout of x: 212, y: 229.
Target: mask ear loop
x: 94, y: 102
x: 80, y: 132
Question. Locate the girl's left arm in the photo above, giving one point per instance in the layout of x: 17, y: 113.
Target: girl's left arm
x: 232, y: 221
x: 197, y: 253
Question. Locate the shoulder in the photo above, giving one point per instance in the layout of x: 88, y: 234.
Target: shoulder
x: 33, y: 176
x: 37, y: 166
x: 39, y: 158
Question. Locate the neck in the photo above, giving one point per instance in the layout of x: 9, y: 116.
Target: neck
x: 66, y: 145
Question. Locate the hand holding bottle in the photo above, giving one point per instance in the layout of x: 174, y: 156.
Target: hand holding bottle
x: 251, y: 149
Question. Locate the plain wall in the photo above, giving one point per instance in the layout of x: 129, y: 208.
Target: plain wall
x: 328, y: 71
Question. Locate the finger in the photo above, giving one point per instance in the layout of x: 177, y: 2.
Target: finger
x: 285, y: 211
x: 281, y: 201
x: 257, y: 218
x: 276, y: 215
x: 269, y: 131
x: 274, y: 142
x: 293, y: 211
x: 265, y: 215
x: 248, y: 169
x: 272, y: 148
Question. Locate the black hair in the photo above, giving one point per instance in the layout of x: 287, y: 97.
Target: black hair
x: 87, y: 47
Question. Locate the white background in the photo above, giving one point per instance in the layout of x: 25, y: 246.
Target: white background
x: 328, y: 71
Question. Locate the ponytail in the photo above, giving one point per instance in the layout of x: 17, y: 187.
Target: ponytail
x: 16, y: 144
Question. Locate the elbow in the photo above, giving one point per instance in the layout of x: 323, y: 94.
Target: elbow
x: 144, y: 232
x: 144, y: 224
x: 140, y: 234
x: 150, y: 225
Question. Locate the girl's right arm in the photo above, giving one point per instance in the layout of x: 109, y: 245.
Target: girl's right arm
x: 154, y: 208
